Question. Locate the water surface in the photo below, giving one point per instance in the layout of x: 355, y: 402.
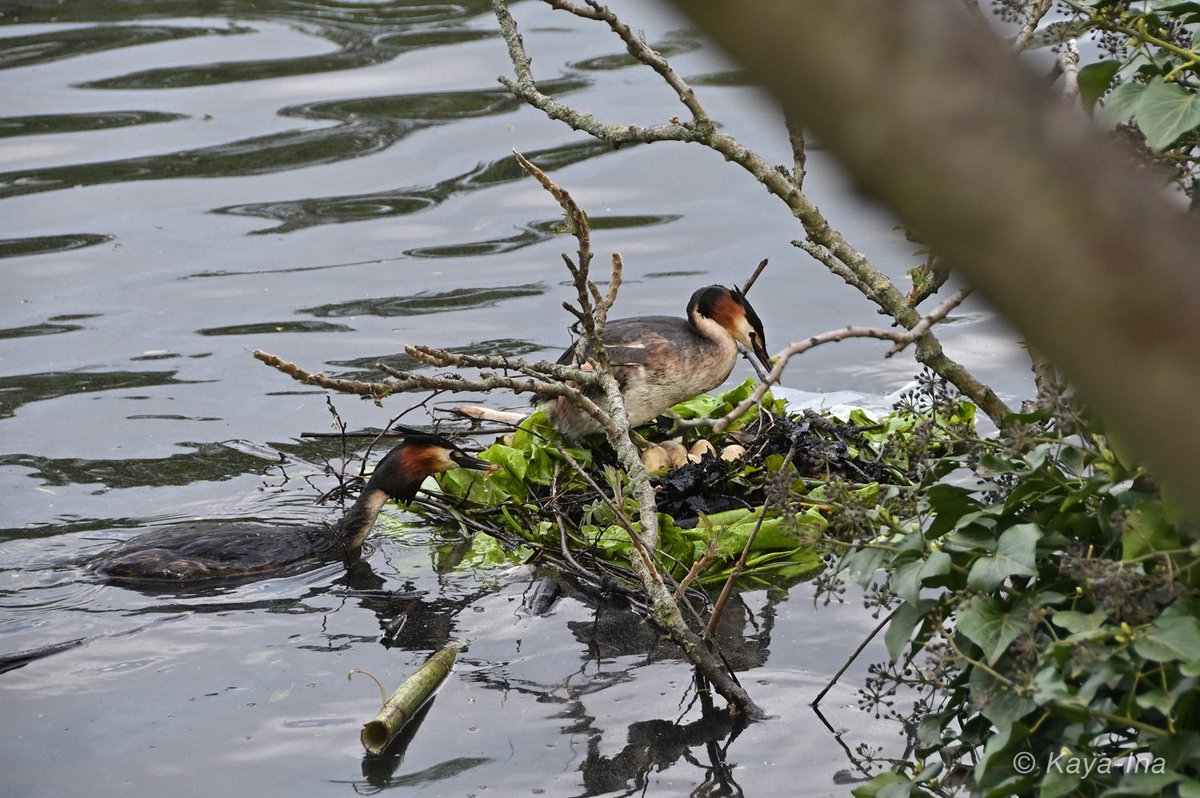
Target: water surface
x: 183, y: 182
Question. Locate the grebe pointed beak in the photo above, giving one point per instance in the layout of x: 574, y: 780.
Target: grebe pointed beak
x: 464, y: 460
x: 760, y: 352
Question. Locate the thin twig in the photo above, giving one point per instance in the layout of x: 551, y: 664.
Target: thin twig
x: 1029, y: 27
x: 853, y: 656
x: 740, y: 565
x: 746, y: 286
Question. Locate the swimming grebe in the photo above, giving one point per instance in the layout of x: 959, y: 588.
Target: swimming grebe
x: 660, y: 361
x: 221, y: 550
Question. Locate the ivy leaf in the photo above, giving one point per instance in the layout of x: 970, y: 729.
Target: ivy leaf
x: 1094, y: 80
x: 1172, y: 636
x: 902, y: 624
x: 1165, y: 112
x: 998, y: 702
x: 909, y: 578
x: 989, y: 626
x: 1015, y: 556
x: 1120, y: 104
x: 1076, y: 622
x: 875, y: 788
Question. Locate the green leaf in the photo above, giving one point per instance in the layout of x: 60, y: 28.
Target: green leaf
x: 876, y: 786
x: 992, y: 628
x: 998, y: 702
x: 1060, y: 780
x: 906, y: 580
x: 1079, y: 622
x: 1094, y: 80
x: 909, y: 578
x: 1120, y: 104
x: 1165, y: 112
x: 1145, y: 528
x: 1172, y: 636
x: 902, y: 624
x: 1015, y: 556
x: 1189, y: 788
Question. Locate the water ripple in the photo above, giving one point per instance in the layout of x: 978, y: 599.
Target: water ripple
x: 427, y: 302
x: 41, y: 48
x: 49, y: 124
x: 22, y: 389
x: 365, y: 125
x: 314, y: 211
x: 42, y: 245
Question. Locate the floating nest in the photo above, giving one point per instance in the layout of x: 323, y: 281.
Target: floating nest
x: 766, y: 483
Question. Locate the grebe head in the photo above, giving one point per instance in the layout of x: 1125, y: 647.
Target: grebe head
x: 729, y: 308
x: 402, y: 470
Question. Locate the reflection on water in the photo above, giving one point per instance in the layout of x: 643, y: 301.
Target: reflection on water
x: 364, y: 126
x: 309, y: 212
x: 207, y: 461
x: 22, y: 389
x: 424, y: 302
x: 269, y: 327
x: 42, y: 245
x: 41, y: 48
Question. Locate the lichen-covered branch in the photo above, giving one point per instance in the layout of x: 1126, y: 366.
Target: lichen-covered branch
x: 665, y: 608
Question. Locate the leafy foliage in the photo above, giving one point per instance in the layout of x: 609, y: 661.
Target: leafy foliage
x: 1042, y: 591
x: 1147, y: 77
x: 710, y: 507
x: 1045, y: 620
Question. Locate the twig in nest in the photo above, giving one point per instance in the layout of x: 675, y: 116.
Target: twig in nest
x: 727, y: 588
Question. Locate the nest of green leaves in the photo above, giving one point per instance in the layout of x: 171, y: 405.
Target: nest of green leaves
x: 760, y: 495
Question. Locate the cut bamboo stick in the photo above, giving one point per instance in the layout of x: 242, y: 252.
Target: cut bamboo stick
x: 408, y: 700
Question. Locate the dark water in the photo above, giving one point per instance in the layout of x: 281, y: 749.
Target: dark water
x: 182, y: 182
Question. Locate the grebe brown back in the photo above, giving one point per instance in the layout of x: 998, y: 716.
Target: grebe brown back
x: 660, y: 361
x: 210, y: 550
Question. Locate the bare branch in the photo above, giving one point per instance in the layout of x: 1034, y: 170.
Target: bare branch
x: 799, y: 150
x: 374, y: 390
x: 442, y: 358
x: 643, y: 52
x: 1067, y: 59
x: 1029, y: 27
x: 822, y: 241
x: 746, y: 286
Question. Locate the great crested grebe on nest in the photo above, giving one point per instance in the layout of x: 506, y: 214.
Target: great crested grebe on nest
x: 213, y: 550
x: 660, y: 361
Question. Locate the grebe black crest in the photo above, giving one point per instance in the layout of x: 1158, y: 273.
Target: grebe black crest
x: 213, y: 550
